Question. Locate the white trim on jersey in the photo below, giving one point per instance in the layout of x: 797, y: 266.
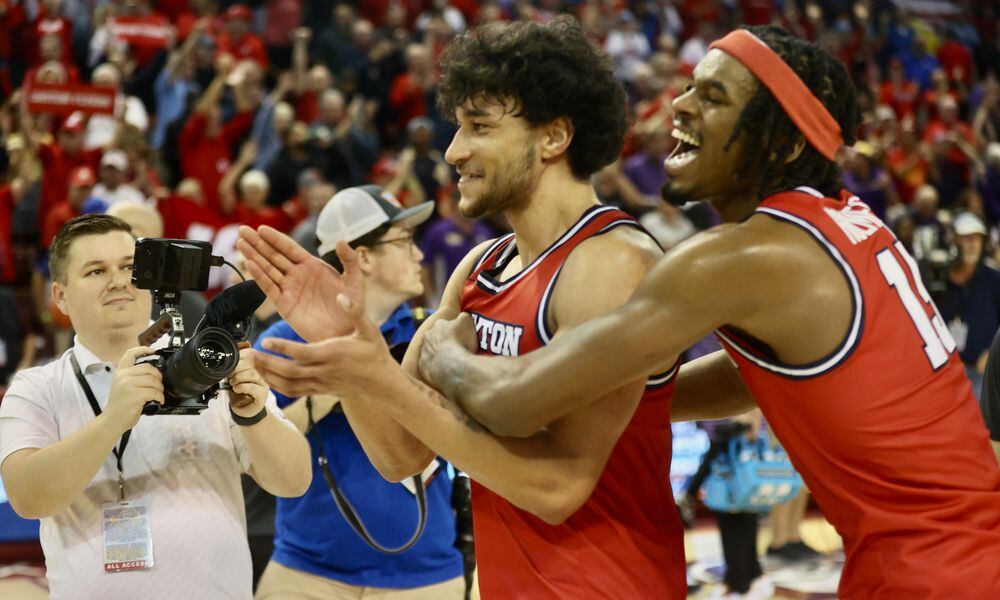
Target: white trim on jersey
x: 543, y: 308
x: 496, y: 288
x: 488, y: 251
x: 506, y: 254
x: 854, y: 333
x: 810, y: 191
x: 662, y: 378
x: 614, y: 224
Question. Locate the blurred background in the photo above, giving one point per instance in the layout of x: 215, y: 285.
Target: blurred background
x: 191, y: 117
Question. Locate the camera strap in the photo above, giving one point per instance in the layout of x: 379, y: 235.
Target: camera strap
x: 120, y: 450
x: 347, y: 509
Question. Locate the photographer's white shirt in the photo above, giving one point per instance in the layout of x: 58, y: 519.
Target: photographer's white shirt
x: 186, y: 469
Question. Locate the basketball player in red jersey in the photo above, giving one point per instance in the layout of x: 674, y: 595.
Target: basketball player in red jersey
x: 823, y: 317
x: 583, y: 509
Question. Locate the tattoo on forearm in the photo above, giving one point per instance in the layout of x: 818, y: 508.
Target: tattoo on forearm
x: 443, y: 401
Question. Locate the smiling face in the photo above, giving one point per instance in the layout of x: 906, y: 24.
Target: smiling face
x: 97, y: 292
x: 700, y: 167
x: 495, y: 154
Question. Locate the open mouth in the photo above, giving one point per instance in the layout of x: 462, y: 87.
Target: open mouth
x: 684, y: 152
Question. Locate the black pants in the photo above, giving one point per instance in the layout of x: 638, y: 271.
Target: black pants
x: 738, y: 530
x: 261, y: 548
x: 739, y: 547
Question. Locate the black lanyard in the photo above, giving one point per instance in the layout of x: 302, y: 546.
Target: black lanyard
x: 348, y: 511
x: 120, y: 450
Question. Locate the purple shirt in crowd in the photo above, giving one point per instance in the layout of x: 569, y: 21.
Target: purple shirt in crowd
x: 445, y: 244
x: 646, y: 173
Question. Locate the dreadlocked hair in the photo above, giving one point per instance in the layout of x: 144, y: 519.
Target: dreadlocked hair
x: 775, y: 135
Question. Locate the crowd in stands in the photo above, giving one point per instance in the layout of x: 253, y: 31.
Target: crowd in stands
x: 229, y: 113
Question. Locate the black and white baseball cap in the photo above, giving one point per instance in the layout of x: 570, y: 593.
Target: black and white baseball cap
x: 354, y: 212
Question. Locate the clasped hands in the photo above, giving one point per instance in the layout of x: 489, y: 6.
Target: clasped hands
x: 345, y: 353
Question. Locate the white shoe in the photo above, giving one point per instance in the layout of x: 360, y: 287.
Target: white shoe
x: 762, y: 588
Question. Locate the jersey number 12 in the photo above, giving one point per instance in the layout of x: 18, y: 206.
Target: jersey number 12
x: 938, y: 343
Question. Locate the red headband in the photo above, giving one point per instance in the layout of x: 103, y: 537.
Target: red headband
x: 805, y: 110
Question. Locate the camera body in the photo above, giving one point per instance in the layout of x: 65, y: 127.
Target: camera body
x: 192, y: 373
x: 169, y: 266
x: 193, y: 368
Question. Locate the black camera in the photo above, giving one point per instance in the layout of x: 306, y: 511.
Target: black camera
x: 168, y: 266
x: 193, y: 369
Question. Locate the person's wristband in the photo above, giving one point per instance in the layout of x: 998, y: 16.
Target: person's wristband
x: 248, y: 421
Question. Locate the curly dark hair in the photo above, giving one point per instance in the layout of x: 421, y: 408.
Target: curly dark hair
x: 764, y: 121
x: 550, y: 71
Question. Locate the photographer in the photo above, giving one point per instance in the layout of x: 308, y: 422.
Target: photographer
x: 970, y: 304
x: 317, y: 554
x: 134, y: 507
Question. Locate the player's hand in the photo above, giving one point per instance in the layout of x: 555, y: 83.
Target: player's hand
x: 131, y: 388
x: 444, y: 337
x: 303, y: 287
x: 352, y: 366
x: 249, y: 392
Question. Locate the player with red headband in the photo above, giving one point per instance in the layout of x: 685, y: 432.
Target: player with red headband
x: 823, y: 316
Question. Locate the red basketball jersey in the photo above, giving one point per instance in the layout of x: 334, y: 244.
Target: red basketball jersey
x: 626, y: 541
x: 885, y: 430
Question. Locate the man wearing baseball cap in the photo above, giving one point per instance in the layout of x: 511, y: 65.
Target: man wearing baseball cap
x: 112, y: 187
x: 316, y: 551
x: 971, y: 302
x: 81, y: 183
x: 59, y: 157
x: 238, y: 40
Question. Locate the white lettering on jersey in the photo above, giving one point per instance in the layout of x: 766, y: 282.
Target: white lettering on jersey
x: 856, y: 220
x: 496, y: 337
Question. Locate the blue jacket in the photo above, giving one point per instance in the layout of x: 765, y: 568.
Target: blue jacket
x: 312, y: 536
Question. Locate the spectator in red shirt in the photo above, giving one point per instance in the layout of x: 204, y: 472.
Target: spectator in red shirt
x: 141, y: 11
x: 50, y: 22
x: 907, y: 163
x: 248, y: 205
x: 205, y: 143
x: 953, y: 149
x: 950, y: 133
x: 956, y: 60
x: 940, y: 88
x: 282, y: 18
x: 185, y: 214
x: 408, y: 96
x: 238, y: 40
x: 81, y: 182
x: 50, y: 52
x: 185, y: 17
x: 316, y: 81
x: 12, y: 17
x: 897, y: 92
x: 10, y: 195
x: 59, y: 157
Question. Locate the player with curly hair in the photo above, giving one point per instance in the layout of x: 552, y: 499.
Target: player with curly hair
x: 824, y: 320
x: 583, y: 509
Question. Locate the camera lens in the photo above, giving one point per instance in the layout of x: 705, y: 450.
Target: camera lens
x: 212, y: 355
x: 206, y: 359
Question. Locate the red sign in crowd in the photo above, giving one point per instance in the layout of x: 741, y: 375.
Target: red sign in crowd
x: 152, y: 32
x: 65, y: 99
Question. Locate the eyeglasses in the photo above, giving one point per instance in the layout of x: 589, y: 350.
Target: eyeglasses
x: 406, y: 242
